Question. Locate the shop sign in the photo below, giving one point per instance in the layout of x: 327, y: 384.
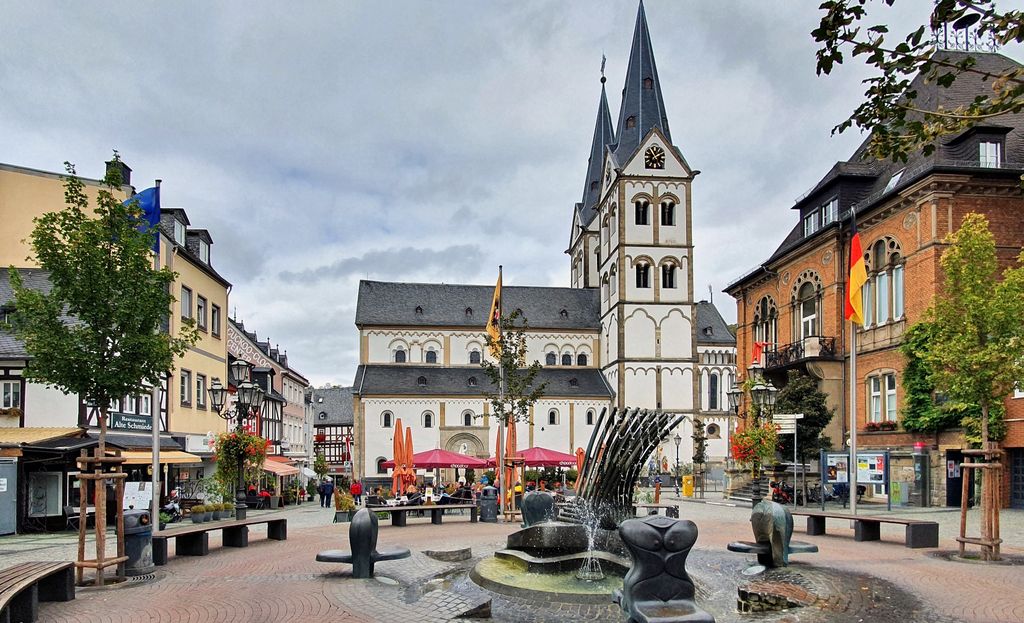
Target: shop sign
x: 128, y: 421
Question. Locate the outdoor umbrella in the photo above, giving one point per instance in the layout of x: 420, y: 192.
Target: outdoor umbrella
x: 410, y: 475
x: 580, y: 455
x: 399, y: 461
x: 437, y: 459
x: 543, y: 457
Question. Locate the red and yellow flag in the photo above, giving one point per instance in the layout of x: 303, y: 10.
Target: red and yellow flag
x: 856, y: 280
x: 494, y: 319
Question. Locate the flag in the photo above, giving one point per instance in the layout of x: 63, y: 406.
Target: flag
x: 149, y: 202
x: 494, y: 319
x: 856, y: 280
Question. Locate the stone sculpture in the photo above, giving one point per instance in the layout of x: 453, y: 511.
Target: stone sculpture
x: 537, y: 507
x: 362, y: 537
x: 772, y: 524
x: 657, y: 587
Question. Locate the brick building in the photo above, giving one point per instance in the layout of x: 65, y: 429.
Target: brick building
x: 794, y: 300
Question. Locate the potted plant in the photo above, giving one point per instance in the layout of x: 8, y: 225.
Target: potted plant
x: 887, y: 425
x: 229, y: 510
x: 208, y: 512
x: 310, y: 490
x: 198, y: 513
x: 275, y: 499
x: 165, y: 518
x: 872, y: 427
x: 217, y: 510
x: 344, y: 507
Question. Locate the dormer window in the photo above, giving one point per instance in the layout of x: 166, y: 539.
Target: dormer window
x: 469, y: 312
x: 894, y: 180
x: 472, y: 381
x: 630, y: 122
x: 179, y: 232
x: 419, y: 310
x: 573, y: 382
x: 422, y: 381
x: 830, y: 211
x: 990, y: 154
x: 564, y: 313
x: 811, y: 223
x: 648, y: 84
x: 204, y: 252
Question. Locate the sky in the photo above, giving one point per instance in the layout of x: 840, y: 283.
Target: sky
x: 321, y: 143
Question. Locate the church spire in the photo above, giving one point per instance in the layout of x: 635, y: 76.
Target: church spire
x: 642, y: 105
x: 604, y: 135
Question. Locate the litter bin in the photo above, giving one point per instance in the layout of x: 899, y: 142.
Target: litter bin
x: 488, y: 504
x: 688, y: 486
x: 138, y: 543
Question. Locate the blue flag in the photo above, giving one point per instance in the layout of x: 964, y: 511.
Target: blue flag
x: 149, y: 203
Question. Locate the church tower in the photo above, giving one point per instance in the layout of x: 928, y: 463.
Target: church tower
x: 632, y: 240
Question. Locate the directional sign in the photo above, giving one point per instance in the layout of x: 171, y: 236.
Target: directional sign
x: 780, y: 418
x: 787, y: 428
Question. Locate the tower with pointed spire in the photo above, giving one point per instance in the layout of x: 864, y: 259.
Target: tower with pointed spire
x: 631, y: 238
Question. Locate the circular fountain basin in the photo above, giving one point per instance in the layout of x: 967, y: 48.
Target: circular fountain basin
x: 508, y: 576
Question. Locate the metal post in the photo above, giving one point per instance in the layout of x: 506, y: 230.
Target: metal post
x: 240, y: 499
x: 794, y: 465
x: 853, y: 419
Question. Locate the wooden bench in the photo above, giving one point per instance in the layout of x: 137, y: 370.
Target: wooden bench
x: 919, y: 533
x: 24, y: 585
x: 398, y: 513
x: 195, y: 540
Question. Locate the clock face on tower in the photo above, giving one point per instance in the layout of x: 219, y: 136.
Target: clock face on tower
x: 654, y: 157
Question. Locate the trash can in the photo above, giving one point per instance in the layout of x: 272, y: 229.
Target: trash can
x: 688, y: 486
x: 138, y: 543
x: 488, y: 504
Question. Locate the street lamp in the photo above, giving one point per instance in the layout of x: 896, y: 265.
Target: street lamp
x: 678, y: 440
x: 247, y: 396
x: 735, y: 393
x: 763, y: 394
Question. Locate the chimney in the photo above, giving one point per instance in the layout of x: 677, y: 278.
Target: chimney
x: 123, y: 169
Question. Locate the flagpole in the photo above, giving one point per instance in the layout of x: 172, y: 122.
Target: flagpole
x: 852, y: 465
x: 154, y: 408
x: 501, y: 420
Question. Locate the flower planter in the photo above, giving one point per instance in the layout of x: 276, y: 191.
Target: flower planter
x: 275, y: 501
x: 226, y: 514
x: 208, y: 516
x: 343, y: 516
x: 197, y: 517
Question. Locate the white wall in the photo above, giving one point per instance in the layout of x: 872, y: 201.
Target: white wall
x: 46, y: 406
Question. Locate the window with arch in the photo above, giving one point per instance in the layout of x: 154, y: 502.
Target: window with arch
x: 400, y: 354
x: 474, y: 356
x: 648, y: 84
x: 574, y: 382
x: 380, y: 465
x: 552, y: 417
x: 431, y: 356
x: 566, y: 359
x: 469, y: 312
x: 550, y: 359
x: 467, y: 418
x: 643, y: 276
x: 421, y: 381
x: 643, y: 212
x: 883, y: 291
x: 581, y: 359
x: 668, y: 276
x: 806, y: 303
x: 882, y: 397
x: 386, y: 419
x: 428, y: 419
x: 630, y: 122
x: 713, y: 392
x: 766, y: 318
x: 668, y: 213
x: 590, y: 417
x: 613, y: 281
x: 604, y: 287
x: 471, y: 382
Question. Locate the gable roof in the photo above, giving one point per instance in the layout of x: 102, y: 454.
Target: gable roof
x: 335, y: 403
x: 711, y: 327
x: 34, y: 279
x: 404, y: 381
x: 385, y: 303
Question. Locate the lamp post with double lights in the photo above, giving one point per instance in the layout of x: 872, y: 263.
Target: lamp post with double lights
x: 678, y: 441
x: 735, y: 393
x: 247, y: 396
x: 762, y: 395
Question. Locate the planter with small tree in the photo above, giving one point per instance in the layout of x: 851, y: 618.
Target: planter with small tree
x: 344, y: 507
x: 198, y: 513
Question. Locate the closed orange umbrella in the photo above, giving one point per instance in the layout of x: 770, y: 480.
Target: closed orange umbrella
x: 580, y: 455
x: 510, y: 453
x: 399, y: 452
x: 410, y: 475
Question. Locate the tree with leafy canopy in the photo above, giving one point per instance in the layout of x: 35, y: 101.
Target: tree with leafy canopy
x: 521, y: 391
x: 97, y: 332
x: 899, y: 122
x: 801, y: 395
x: 320, y: 466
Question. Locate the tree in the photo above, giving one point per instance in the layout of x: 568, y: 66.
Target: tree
x: 320, y: 466
x: 520, y: 391
x: 801, y: 395
x: 700, y: 443
x: 97, y: 332
x: 899, y: 122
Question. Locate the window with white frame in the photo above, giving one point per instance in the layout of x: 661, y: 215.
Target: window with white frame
x: 201, y: 391
x: 894, y: 180
x: 990, y: 154
x: 201, y: 312
x: 811, y: 223
x: 400, y: 354
x: 474, y: 356
x: 766, y: 317
x: 204, y: 252
x: 590, y: 417
x: 186, y: 302
x: 552, y: 417
x: 713, y: 392
x: 566, y: 359
x: 550, y: 359
x: 179, y: 232
x: 807, y: 304
x: 10, y: 394
x: 145, y: 404
x: 830, y: 211
x: 643, y: 276
x: 431, y: 355
x: 882, y: 398
x: 883, y: 294
x: 385, y: 419
x: 185, y: 388
x: 668, y: 276
x: 428, y: 419
x: 467, y: 418
x: 129, y: 404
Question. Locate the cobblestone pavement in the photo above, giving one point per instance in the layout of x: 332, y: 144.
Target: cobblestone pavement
x: 280, y: 581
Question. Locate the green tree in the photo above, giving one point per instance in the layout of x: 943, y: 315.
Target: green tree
x: 96, y: 333
x: 898, y: 120
x: 977, y: 339
x: 521, y: 391
x: 700, y: 443
x: 801, y: 395
x: 320, y: 466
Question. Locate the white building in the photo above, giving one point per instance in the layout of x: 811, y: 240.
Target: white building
x: 628, y: 333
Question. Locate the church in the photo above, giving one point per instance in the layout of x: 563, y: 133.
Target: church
x: 626, y: 333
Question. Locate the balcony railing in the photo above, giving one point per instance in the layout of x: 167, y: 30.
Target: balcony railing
x: 808, y: 348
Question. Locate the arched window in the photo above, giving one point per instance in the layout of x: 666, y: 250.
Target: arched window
x: 643, y: 276
x: 668, y: 276
x: 400, y: 354
x: 668, y: 213
x: 431, y: 355
x: 552, y: 417
x: 590, y: 417
x: 581, y: 359
x: 421, y: 381
x: 550, y: 359
x: 604, y: 287
x: 630, y: 122
x: 574, y: 382
x: 474, y: 356
x: 472, y: 381
x: 428, y: 419
x: 380, y: 465
x: 766, y: 317
x: 469, y: 312
x: 566, y: 359
x: 648, y: 84
x: 385, y: 419
x: 807, y: 309
x: 643, y: 211
x: 613, y: 281
x: 713, y: 392
x: 883, y: 292
x: 467, y: 418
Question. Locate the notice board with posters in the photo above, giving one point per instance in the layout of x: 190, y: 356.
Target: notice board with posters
x: 872, y: 468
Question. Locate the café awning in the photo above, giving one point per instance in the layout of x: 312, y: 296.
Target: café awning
x: 280, y: 469
x: 173, y: 457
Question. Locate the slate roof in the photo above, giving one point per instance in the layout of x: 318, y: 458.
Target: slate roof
x: 336, y: 402
x: 383, y: 303
x: 604, y: 135
x: 646, y: 105
x: 35, y: 279
x: 711, y: 327
x: 403, y: 380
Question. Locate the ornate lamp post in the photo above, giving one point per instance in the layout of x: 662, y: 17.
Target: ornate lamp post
x: 248, y: 395
x: 763, y: 394
x: 678, y: 440
x: 734, y: 394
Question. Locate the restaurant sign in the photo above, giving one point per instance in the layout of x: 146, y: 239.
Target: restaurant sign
x: 129, y: 421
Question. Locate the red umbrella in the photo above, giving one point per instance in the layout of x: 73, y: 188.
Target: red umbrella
x: 436, y: 459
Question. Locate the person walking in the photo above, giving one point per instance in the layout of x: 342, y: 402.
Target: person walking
x: 328, y: 493
x: 320, y: 492
x: 357, y: 492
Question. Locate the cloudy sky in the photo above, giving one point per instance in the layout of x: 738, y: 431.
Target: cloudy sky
x: 326, y: 142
